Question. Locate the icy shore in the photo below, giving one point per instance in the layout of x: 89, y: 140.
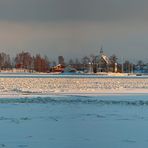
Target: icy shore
x: 15, y: 86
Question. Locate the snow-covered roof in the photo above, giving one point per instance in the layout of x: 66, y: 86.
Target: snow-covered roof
x: 105, y: 58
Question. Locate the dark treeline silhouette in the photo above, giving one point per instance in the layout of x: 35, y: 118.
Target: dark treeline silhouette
x: 5, y: 61
x: 24, y: 60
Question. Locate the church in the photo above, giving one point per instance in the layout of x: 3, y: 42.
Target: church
x: 102, y: 63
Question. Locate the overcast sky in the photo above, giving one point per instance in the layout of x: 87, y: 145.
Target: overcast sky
x: 75, y: 28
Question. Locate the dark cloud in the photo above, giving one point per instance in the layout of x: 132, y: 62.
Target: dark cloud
x: 53, y: 10
x: 74, y: 27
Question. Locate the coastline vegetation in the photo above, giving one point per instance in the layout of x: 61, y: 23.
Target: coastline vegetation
x: 25, y: 60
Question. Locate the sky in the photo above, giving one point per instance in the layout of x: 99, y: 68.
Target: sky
x: 75, y: 28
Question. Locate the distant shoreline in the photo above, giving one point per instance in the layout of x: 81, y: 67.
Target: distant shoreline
x: 57, y: 75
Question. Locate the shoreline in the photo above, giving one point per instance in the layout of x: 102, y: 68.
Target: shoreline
x: 103, y: 93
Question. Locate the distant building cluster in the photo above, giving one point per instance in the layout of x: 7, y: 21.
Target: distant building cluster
x: 89, y: 64
x: 101, y: 63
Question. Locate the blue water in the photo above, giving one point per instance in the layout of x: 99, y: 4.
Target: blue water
x: 74, y: 122
x: 63, y: 75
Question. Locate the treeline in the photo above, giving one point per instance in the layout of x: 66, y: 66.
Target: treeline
x: 26, y: 61
x: 125, y: 66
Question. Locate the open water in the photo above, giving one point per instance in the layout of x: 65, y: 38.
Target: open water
x: 74, y: 122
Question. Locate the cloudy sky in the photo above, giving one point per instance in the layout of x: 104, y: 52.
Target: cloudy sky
x: 74, y: 28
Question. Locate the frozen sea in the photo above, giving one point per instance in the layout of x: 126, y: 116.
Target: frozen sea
x: 74, y: 122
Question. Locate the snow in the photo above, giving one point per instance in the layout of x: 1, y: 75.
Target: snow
x: 74, y: 121
x: 73, y: 112
x: 31, y: 84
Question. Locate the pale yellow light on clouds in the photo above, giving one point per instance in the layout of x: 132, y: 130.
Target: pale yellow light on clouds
x: 67, y: 37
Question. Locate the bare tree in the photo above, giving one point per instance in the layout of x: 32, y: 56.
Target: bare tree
x: 71, y: 62
x: 24, y: 60
x: 41, y: 64
x: 5, y: 61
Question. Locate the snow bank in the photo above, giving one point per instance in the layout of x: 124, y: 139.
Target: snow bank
x: 25, y: 86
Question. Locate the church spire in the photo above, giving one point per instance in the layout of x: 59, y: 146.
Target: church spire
x: 101, y: 50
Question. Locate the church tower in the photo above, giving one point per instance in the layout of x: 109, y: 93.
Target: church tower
x: 101, y: 50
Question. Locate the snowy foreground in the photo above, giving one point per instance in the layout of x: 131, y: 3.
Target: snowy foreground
x: 16, y: 85
x: 41, y: 111
x: 74, y: 122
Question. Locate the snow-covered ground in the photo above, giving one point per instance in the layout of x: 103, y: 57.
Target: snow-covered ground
x: 74, y: 122
x: 42, y: 111
x: 21, y: 84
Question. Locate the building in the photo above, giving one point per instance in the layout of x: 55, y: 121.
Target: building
x: 102, y: 62
x: 58, y: 68
x: 61, y: 60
